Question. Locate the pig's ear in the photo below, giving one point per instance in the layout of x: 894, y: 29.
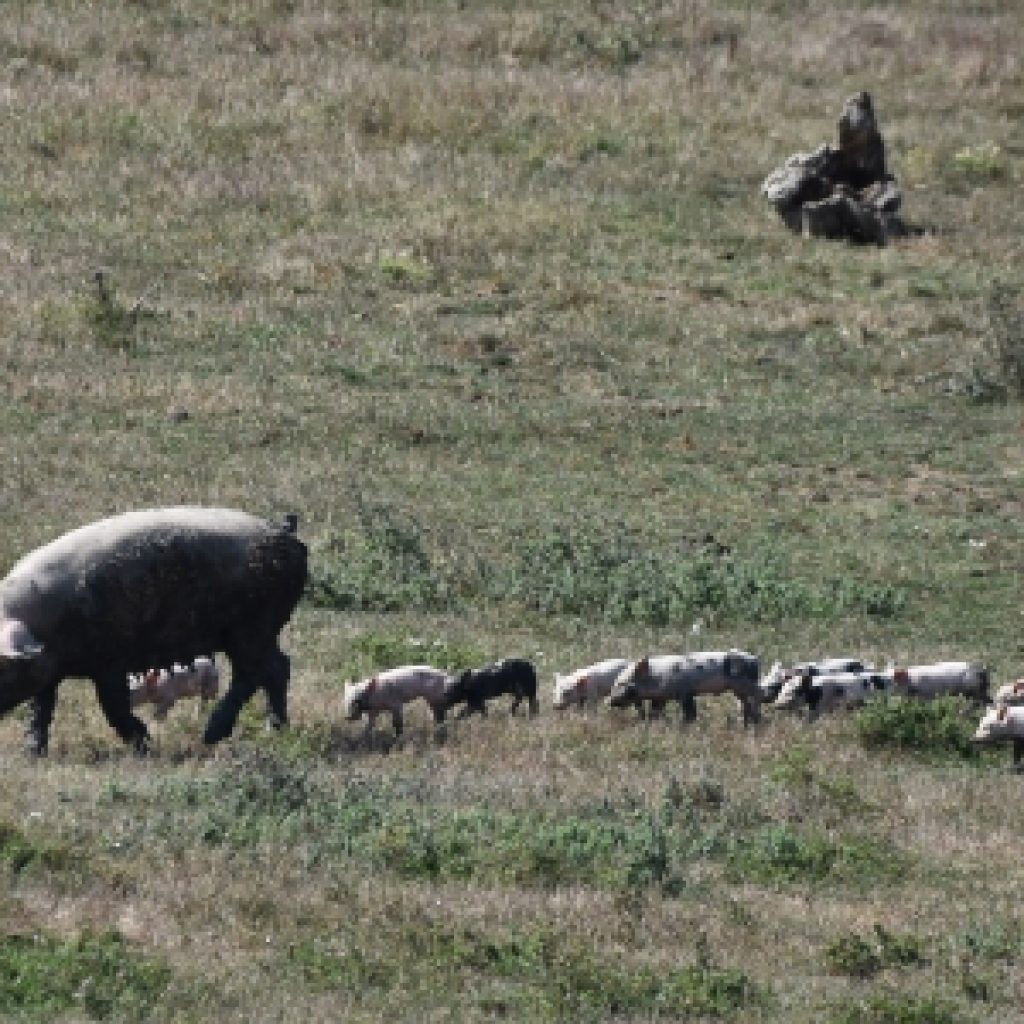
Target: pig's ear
x: 1018, y: 686
x: 17, y: 641
x: 901, y: 675
x: 584, y: 682
x: 643, y: 667
x: 371, y: 685
x: 1002, y: 713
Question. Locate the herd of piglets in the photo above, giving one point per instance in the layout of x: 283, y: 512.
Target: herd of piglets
x: 648, y: 684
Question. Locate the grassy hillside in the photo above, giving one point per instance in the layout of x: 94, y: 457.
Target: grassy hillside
x: 487, y: 294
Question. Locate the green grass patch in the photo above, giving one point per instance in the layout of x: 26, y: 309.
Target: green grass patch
x: 894, y: 1008
x: 612, y: 574
x: 98, y: 975
x: 403, y: 828
x: 554, y: 977
x: 384, y: 565
x: 781, y: 854
x: 859, y: 957
x: 929, y: 729
x: 795, y: 771
x: 615, y: 574
x: 408, y: 829
x: 378, y: 651
x: 20, y: 852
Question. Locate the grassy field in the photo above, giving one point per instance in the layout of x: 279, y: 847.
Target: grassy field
x: 487, y: 293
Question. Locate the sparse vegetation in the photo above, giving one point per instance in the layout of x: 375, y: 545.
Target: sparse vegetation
x: 487, y: 295
x: 861, y: 957
x: 894, y: 1008
x: 937, y: 728
x: 99, y: 975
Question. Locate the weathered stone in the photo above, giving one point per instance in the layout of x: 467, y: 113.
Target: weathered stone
x: 842, y: 192
x: 860, y: 142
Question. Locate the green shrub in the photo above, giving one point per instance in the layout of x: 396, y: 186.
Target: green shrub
x: 323, y: 969
x: 858, y: 957
x: 906, y: 950
x: 778, y: 853
x: 852, y: 955
x: 378, y: 651
x: 21, y: 853
x: 893, y: 1008
x: 616, y: 851
x: 401, y: 828
x: 589, y: 570
x: 561, y: 979
x: 982, y: 162
x: 615, y: 574
x: 930, y: 728
x: 97, y: 974
x: 257, y: 797
x: 998, y: 941
x: 981, y: 946
x: 382, y: 567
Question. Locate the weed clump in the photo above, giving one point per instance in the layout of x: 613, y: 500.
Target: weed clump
x: 894, y: 1008
x: 383, y: 567
x: 780, y: 854
x: 615, y: 575
x: 933, y: 728
x: 557, y: 978
x: 859, y: 957
x: 379, y: 651
x: 996, y: 369
x: 113, y: 325
x: 19, y: 852
x: 42, y: 977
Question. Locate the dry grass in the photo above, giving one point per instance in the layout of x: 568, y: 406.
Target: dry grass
x: 500, y: 272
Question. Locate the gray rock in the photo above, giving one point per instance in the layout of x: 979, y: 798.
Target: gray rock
x: 840, y: 192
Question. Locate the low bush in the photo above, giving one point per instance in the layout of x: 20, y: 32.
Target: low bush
x: 894, y: 1008
x: 591, y: 570
x: 938, y: 727
x: 860, y: 957
x: 559, y: 978
x: 19, y: 852
x: 613, y: 573
x: 378, y: 651
x: 779, y: 853
x: 98, y: 975
x: 383, y: 566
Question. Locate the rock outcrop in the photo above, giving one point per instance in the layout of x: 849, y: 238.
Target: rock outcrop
x: 841, y: 192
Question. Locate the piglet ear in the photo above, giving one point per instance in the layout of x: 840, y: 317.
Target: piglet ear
x: 1002, y: 713
x: 901, y: 675
x: 371, y: 685
x: 1018, y: 686
x: 584, y: 682
x: 643, y: 667
x: 151, y: 678
x: 17, y: 641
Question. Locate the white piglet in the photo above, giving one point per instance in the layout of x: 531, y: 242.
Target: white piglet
x: 389, y: 691
x: 1010, y: 695
x: 683, y: 677
x: 587, y: 685
x: 941, y: 679
x: 772, y: 684
x: 1003, y: 725
x: 823, y: 693
x: 165, y: 687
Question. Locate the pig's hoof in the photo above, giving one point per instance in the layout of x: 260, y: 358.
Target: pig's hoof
x: 34, y: 747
